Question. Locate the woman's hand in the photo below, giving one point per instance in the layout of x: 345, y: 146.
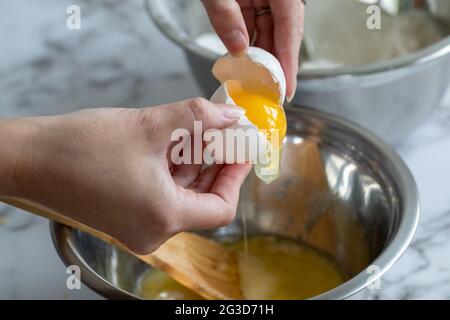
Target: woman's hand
x: 111, y: 169
x: 278, y: 30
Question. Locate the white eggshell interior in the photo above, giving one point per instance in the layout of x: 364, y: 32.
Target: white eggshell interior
x: 257, y: 70
x: 228, y: 156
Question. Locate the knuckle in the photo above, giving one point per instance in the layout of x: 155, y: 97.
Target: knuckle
x: 145, y: 120
x: 140, y: 247
x: 228, y: 216
x: 136, y: 240
x: 168, y: 225
x: 146, y: 235
x: 199, y: 108
x: 287, y: 30
x: 165, y: 219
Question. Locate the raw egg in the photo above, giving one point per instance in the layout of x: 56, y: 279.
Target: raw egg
x: 255, y: 82
x: 272, y: 268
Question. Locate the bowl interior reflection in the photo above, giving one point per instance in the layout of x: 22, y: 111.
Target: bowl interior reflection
x: 352, y: 218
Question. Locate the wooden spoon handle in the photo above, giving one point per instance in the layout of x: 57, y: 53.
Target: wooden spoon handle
x: 52, y: 215
x: 186, y: 257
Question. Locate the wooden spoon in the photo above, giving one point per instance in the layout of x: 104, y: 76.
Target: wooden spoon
x: 202, y: 265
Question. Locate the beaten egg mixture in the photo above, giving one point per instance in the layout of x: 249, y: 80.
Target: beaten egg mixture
x: 270, y: 268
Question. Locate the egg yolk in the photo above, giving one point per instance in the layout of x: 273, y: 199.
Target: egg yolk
x: 264, y: 113
x: 269, y: 117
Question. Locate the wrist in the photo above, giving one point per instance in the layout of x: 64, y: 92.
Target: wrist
x: 16, y: 161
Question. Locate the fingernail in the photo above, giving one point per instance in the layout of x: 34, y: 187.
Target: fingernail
x: 289, y: 98
x: 233, y: 112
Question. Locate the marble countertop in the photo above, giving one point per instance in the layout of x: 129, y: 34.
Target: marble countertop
x: 118, y: 58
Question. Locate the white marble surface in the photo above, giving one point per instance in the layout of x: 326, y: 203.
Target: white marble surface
x: 118, y: 58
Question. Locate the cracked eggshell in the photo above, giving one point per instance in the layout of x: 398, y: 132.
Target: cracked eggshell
x: 251, y: 155
x: 257, y: 70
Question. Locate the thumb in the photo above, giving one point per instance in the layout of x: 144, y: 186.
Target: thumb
x: 183, y: 114
x: 227, y: 19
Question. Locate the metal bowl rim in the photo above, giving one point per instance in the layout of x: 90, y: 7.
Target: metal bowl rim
x: 74, y: 258
x: 423, y: 56
x: 385, y: 260
x: 408, y: 225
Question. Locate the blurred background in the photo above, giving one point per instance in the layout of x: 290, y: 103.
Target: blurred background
x: 119, y: 58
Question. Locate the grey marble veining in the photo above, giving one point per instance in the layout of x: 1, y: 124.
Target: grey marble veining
x: 118, y: 58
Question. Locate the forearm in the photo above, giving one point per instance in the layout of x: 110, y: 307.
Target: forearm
x: 15, y: 152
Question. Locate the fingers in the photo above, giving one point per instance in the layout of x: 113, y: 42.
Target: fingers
x: 249, y: 18
x: 184, y: 114
x: 288, y: 33
x: 228, y: 22
x: 229, y: 181
x: 184, y: 175
x: 218, y: 207
x: 264, y: 27
x: 204, y: 182
x: 248, y: 12
x: 280, y: 33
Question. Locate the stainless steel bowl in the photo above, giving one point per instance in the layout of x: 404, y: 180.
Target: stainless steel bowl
x: 365, y: 218
x: 390, y: 98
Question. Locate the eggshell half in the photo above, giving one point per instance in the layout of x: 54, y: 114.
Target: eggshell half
x: 253, y: 153
x: 257, y: 70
